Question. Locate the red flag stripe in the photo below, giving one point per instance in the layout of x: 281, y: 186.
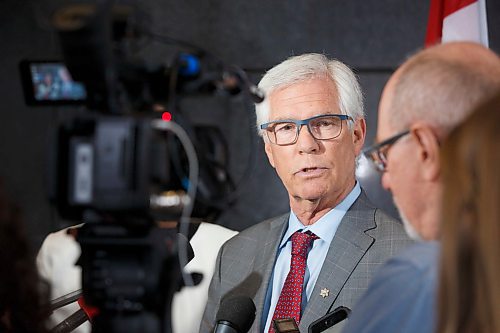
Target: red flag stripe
x: 435, y: 24
x: 438, y: 10
x: 451, y: 6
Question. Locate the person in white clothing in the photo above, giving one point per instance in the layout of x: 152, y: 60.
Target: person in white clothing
x: 59, y: 252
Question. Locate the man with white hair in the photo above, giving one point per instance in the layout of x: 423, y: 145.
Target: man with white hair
x: 322, y: 254
x: 430, y: 94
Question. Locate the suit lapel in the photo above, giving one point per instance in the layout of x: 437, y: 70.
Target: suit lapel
x: 264, y: 263
x: 346, y: 250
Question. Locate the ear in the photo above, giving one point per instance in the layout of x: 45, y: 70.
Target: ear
x: 428, y: 150
x: 358, y: 135
x: 269, y: 153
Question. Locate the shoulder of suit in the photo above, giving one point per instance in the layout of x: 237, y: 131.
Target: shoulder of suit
x: 380, y: 216
x: 388, y: 225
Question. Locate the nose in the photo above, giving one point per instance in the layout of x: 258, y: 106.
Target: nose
x: 306, y: 143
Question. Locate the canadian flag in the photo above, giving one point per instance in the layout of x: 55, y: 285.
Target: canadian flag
x: 452, y: 20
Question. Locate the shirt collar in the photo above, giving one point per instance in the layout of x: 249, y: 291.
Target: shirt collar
x: 326, y: 227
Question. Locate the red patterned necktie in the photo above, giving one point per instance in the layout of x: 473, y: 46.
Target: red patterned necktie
x: 290, y: 299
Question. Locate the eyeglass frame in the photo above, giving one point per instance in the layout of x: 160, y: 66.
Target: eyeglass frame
x: 300, y: 123
x: 382, y: 155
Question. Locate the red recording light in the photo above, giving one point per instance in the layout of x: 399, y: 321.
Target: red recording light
x: 166, y: 116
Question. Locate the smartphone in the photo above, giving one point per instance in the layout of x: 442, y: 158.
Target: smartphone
x: 330, y: 322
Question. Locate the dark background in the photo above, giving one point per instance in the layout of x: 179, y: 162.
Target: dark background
x: 372, y: 36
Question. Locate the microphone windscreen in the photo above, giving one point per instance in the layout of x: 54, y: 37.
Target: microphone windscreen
x: 239, y: 311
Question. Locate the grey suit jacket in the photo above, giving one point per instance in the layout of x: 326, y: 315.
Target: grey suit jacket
x: 365, y: 238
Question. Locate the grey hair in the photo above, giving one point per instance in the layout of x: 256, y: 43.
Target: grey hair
x: 439, y: 91
x: 307, y: 66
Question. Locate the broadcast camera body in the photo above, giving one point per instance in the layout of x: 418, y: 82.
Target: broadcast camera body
x: 121, y: 169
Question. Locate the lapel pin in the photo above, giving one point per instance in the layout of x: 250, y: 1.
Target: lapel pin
x: 324, y: 292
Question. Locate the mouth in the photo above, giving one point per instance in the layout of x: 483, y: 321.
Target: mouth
x: 310, y: 171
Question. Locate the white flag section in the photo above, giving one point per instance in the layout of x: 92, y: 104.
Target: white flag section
x: 468, y: 23
x: 454, y: 20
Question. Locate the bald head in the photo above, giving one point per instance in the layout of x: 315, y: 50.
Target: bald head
x: 430, y: 94
x: 440, y: 86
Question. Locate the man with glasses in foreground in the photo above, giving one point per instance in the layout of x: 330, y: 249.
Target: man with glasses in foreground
x: 423, y: 101
x: 322, y: 254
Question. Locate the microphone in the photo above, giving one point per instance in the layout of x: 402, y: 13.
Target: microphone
x: 65, y: 300
x: 235, y: 315
x: 76, y: 319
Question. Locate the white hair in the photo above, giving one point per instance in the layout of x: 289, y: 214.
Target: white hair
x: 307, y: 66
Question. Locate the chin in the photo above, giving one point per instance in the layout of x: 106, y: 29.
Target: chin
x: 411, y: 231
x: 312, y: 194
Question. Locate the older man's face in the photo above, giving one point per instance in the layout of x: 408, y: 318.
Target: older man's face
x: 314, y: 169
x: 401, y: 177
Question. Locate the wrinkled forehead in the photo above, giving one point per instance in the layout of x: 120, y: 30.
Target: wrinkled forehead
x: 313, y: 93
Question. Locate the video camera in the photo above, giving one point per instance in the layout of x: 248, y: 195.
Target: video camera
x: 122, y: 168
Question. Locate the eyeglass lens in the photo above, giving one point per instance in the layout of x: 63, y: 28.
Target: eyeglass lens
x: 321, y: 128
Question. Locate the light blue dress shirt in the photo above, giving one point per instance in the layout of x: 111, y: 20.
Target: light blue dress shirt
x: 325, y: 228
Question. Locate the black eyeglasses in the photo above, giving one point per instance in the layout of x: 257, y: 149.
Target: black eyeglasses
x: 322, y: 127
x: 378, y: 152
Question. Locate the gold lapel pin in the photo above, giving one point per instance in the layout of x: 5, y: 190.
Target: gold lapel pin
x: 324, y: 292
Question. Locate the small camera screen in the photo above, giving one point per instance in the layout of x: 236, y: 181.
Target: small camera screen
x: 53, y: 82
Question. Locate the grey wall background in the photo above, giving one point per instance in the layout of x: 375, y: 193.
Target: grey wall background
x: 372, y: 36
